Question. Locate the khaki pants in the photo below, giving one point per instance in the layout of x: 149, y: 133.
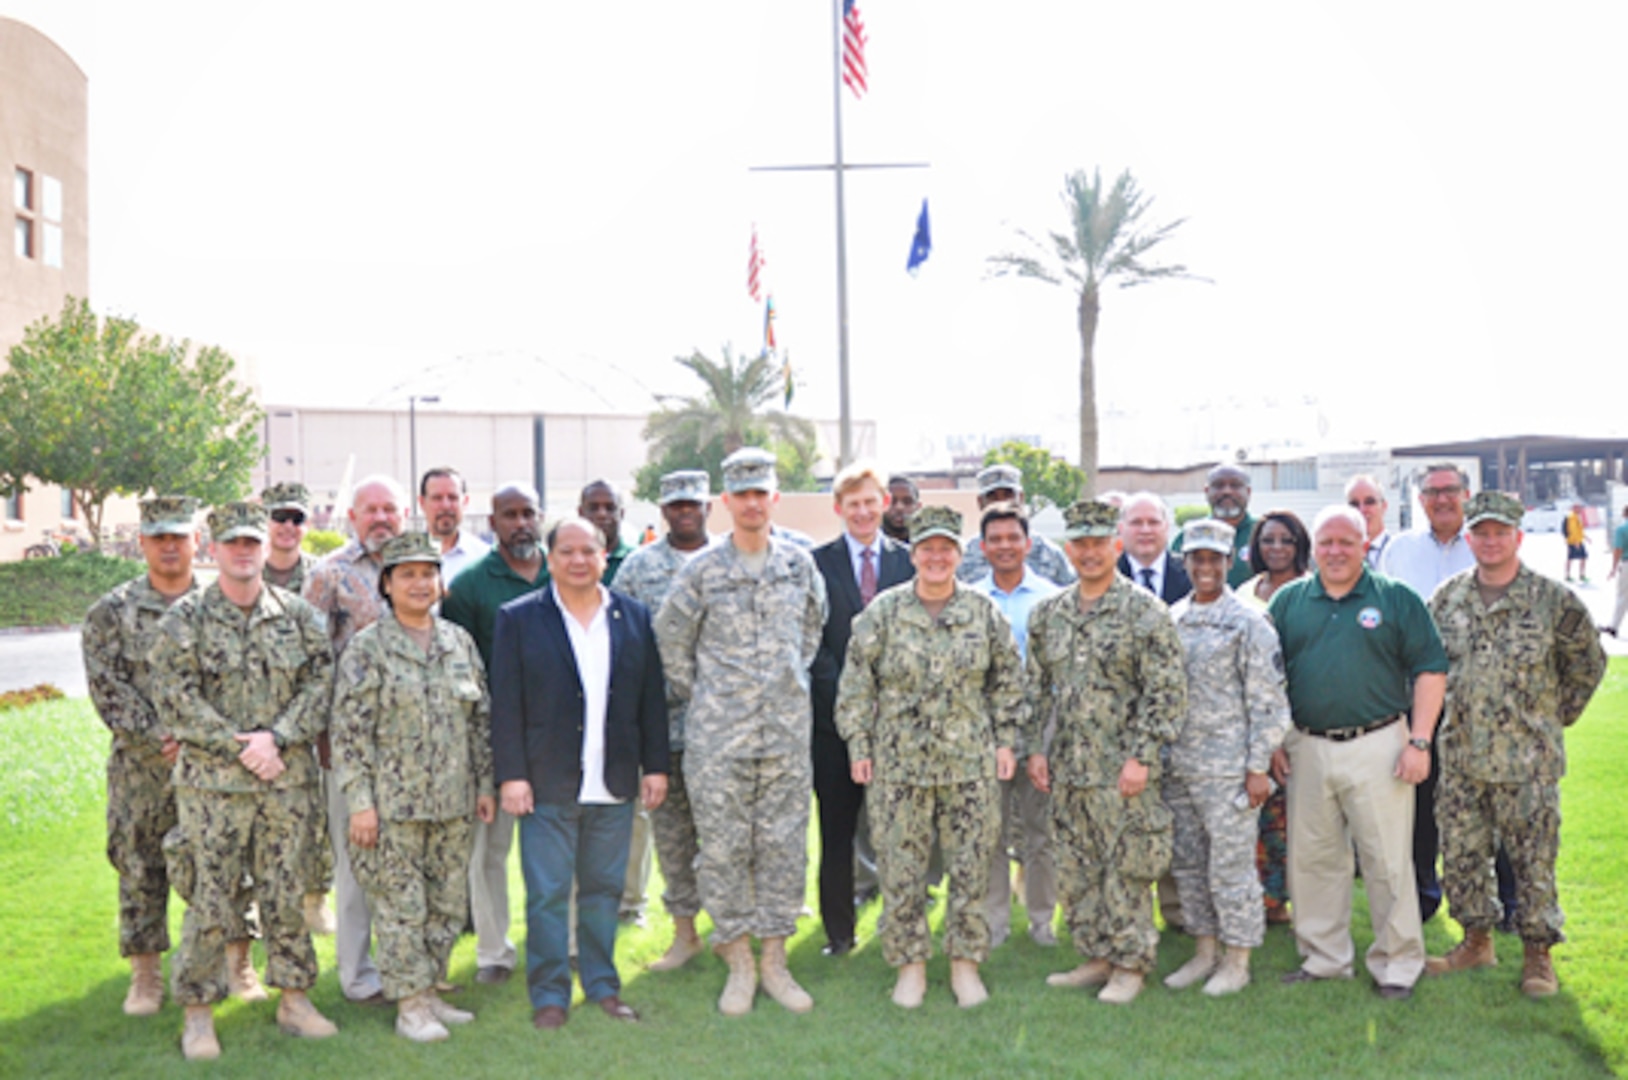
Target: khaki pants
x: 1349, y: 789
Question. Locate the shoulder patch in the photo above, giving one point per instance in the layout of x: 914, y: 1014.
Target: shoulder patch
x: 1570, y: 621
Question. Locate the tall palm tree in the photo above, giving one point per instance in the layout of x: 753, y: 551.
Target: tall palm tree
x: 1105, y: 244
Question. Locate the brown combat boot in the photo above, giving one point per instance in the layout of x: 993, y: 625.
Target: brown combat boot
x: 736, y: 1000
x: 911, y: 986
x: 1475, y: 951
x: 968, y: 986
x: 1122, y: 988
x: 240, y: 974
x: 146, y: 994
x: 298, y: 1017
x: 685, y: 947
x: 198, y: 1042
x: 777, y: 981
x: 1089, y: 974
x: 1538, y: 979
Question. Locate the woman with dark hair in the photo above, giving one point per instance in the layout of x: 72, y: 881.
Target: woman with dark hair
x: 1281, y: 546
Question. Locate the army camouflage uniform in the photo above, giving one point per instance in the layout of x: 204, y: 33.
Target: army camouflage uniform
x: 736, y: 647
x: 648, y: 576
x: 1521, y: 672
x: 1045, y: 558
x: 928, y: 701
x: 412, y: 741
x: 1237, y: 715
x: 1114, y: 676
x: 219, y: 672
x: 297, y: 577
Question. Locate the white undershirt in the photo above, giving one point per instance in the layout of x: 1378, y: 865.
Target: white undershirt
x: 592, y: 648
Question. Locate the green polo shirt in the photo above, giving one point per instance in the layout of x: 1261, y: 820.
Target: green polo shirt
x: 614, y: 560
x: 1351, y: 660
x: 1240, y: 570
x: 479, y: 590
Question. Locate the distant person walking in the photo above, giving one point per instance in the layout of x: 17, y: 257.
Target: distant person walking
x: 1619, y: 545
x: 1576, y: 543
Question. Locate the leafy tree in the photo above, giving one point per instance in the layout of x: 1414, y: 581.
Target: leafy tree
x: 1047, y: 480
x: 92, y: 406
x: 699, y: 432
x: 1106, y: 243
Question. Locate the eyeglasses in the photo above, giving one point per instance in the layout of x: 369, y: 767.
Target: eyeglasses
x: 1370, y: 500
x: 288, y: 517
x: 1441, y: 492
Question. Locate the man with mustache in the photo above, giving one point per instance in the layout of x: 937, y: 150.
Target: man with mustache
x: 443, y: 496
x: 1226, y: 489
x: 511, y: 569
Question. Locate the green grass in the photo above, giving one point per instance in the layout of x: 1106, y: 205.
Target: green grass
x: 63, y: 982
x: 58, y: 591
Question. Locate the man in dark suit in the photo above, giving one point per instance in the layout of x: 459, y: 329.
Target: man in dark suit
x: 856, y: 566
x: 1144, y: 526
x: 579, y: 708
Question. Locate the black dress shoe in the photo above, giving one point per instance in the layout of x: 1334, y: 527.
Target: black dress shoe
x: 1392, y: 992
x: 839, y: 947
x: 493, y: 975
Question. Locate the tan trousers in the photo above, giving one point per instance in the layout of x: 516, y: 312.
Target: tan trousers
x: 1341, y: 790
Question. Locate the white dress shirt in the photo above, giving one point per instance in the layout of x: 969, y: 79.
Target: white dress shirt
x: 1157, y: 567
x: 591, y: 646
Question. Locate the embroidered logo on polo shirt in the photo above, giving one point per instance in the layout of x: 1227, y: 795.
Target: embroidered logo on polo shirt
x: 1369, y: 618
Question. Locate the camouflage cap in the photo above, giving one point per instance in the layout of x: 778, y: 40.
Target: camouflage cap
x: 997, y: 477
x: 1088, y: 517
x: 168, y: 515
x: 935, y: 521
x: 286, y: 496
x: 229, y: 521
x: 686, y: 485
x: 1493, y: 506
x: 409, y: 547
x: 750, y: 469
x: 1207, y: 534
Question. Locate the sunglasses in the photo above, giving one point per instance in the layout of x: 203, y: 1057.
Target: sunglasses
x: 288, y: 517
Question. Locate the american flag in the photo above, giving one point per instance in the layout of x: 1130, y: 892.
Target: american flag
x: 853, y: 48
x: 754, y: 269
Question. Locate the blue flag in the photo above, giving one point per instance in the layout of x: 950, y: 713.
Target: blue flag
x: 922, y: 245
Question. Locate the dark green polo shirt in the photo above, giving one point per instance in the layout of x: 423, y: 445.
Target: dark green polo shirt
x: 1351, y: 661
x: 614, y: 560
x: 1240, y: 570
x: 479, y: 590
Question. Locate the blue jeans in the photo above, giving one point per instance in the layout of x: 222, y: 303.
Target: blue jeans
x: 557, y: 843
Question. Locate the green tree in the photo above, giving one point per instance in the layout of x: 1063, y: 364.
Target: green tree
x: 94, y: 407
x: 699, y: 432
x: 1048, y: 480
x: 1106, y: 243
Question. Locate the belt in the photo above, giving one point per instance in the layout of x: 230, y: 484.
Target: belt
x: 1346, y: 734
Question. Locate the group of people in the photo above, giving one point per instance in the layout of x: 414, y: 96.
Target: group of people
x: 1216, y: 719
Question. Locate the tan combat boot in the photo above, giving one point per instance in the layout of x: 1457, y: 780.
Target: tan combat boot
x: 146, y: 994
x: 736, y: 1000
x: 968, y: 986
x: 777, y: 981
x: 297, y: 1016
x: 445, y: 1013
x: 1475, y: 951
x: 415, y: 1020
x: 1538, y: 979
x: 911, y: 986
x: 686, y: 945
x: 1233, y: 974
x: 240, y: 975
x: 1122, y: 988
x: 318, y: 918
x: 1089, y: 974
x: 198, y: 1042
x: 1199, y: 968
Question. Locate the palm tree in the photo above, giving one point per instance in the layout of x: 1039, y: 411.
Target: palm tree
x: 1105, y: 244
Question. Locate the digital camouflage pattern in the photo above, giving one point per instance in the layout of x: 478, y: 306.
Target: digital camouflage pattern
x: 118, y: 633
x: 904, y: 819
x: 412, y: 729
x: 417, y: 884
x: 1213, y: 859
x: 647, y: 575
x: 751, y: 818
x: 672, y: 826
x: 928, y: 700
x: 1520, y: 672
x: 1110, y: 850
x: 1045, y: 558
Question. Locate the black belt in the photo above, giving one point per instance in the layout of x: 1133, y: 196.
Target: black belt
x: 1346, y: 734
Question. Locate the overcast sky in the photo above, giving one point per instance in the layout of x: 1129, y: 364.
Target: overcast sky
x: 1411, y: 215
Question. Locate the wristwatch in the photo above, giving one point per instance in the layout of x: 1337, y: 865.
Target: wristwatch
x: 1419, y: 743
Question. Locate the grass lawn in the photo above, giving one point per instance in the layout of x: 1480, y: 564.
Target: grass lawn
x: 58, y: 592
x: 63, y: 982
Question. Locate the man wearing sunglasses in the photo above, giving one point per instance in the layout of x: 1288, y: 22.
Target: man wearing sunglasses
x: 287, y: 563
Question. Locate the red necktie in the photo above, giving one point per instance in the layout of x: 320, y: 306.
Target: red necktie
x: 867, y: 577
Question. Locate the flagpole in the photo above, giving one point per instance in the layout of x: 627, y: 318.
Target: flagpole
x: 845, y: 416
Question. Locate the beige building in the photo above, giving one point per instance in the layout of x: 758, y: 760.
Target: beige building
x: 44, y: 144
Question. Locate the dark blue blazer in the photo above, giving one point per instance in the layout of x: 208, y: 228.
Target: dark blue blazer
x: 537, y: 700
x: 842, y: 592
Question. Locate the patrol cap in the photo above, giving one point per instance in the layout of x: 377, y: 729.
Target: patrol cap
x: 168, y: 515
x: 750, y: 469
x: 286, y: 496
x: 935, y: 521
x: 229, y: 521
x: 1207, y: 534
x: 997, y: 477
x: 686, y: 485
x: 409, y: 547
x: 1493, y: 506
x: 1089, y: 517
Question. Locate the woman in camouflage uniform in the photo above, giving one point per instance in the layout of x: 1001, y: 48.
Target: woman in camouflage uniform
x: 412, y: 750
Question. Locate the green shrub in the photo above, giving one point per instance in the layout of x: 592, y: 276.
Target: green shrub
x: 1191, y: 512
x: 319, y: 542
x: 58, y: 591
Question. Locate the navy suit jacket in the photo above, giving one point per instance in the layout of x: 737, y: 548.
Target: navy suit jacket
x: 842, y: 590
x: 1176, y: 582
x: 538, y: 703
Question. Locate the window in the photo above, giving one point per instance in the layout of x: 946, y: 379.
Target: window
x: 67, y: 504
x: 11, y: 508
x: 51, y: 192
x: 23, y: 238
x: 22, y: 189
x: 52, y: 252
